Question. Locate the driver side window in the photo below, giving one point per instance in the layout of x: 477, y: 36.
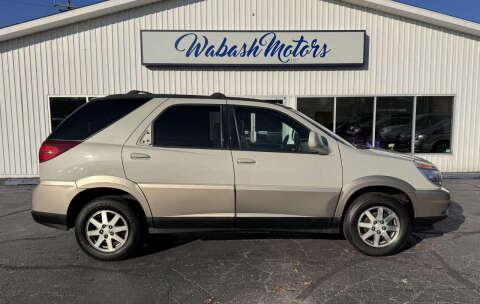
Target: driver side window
x: 268, y: 130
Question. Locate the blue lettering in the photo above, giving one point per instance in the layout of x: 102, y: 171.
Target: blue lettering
x: 299, y: 43
x: 268, y: 44
x: 210, y: 52
x: 254, y: 49
x: 222, y: 49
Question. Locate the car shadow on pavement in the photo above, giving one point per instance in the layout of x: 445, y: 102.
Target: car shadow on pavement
x: 160, y: 242
x: 452, y: 223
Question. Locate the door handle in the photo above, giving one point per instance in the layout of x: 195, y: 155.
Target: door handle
x: 245, y: 161
x: 139, y: 156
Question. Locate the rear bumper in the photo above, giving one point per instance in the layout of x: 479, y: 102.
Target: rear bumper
x: 53, y: 196
x: 53, y: 220
x: 50, y: 201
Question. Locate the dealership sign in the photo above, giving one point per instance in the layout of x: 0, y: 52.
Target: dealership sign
x: 253, y: 48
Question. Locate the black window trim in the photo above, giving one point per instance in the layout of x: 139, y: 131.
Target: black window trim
x: 234, y: 106
x: 223, y: 146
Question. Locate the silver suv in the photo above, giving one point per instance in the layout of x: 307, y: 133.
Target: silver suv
x: 123, y: 166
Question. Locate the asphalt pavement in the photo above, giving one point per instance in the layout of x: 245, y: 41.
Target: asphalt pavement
x: 43, y: 265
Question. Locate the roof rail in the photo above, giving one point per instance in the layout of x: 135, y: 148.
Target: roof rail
x: 137, y: 92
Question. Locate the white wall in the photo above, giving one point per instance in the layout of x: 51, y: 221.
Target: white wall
x: 102, y: 56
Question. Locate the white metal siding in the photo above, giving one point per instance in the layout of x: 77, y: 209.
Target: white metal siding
x: 102, y: 56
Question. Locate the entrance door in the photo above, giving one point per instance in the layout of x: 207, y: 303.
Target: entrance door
x: 278, y: 180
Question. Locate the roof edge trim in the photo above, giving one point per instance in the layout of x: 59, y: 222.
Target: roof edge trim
x: 69, y: 17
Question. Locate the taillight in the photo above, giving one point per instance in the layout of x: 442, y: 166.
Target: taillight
x: 53, y: 148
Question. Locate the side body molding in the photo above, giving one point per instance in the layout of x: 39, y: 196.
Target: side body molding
x: 116, y: 183
x: 372, y: 181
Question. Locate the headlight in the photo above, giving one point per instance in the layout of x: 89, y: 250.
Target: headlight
x: 430, y: 172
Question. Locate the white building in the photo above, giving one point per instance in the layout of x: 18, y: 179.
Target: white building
x: 416, y: 71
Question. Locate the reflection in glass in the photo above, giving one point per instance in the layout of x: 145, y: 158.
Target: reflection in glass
x: 433, y: 124
x: 355, y: 120
x: 394, y: 123
x: 318, y: 108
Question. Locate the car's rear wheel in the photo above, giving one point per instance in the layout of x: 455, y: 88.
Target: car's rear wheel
x: 108, y: 229
x: 377, y: 224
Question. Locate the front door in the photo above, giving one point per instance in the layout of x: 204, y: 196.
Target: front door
x: 278, y: 180
x: 186, y: 174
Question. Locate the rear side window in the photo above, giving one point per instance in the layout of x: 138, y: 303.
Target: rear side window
x: 189, y: 126
x: 95, y: 116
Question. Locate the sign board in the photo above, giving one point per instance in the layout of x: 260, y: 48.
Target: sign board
x: 253, y: 48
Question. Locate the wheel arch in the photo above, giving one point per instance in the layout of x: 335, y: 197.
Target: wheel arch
x: 99, y: 186
x: 394, y: 187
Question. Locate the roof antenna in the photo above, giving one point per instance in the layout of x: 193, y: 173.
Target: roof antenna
x: 64, y: 6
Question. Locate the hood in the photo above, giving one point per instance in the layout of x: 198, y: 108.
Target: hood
x: 397, y: 155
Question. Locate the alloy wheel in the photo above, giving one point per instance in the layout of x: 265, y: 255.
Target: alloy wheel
x: 107, y: 230
x: 378, y: 226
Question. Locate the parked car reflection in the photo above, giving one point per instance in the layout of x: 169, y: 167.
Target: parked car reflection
x: 432, y: 134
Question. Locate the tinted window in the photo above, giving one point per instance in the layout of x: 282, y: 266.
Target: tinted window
x: 268, y: 130
x: 193, y: 126
x: 61, y: 107
x: 433, y: 127
x: 394, y: 123
x: 355, y: 120
x: 95, y: 116
x: 318, y: 108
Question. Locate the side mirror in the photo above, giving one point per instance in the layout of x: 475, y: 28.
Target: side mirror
x: 318, y: 143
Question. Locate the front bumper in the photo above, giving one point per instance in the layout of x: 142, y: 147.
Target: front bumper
x: 430, y: 206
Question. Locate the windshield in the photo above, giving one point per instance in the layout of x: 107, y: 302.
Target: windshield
x: 322, y: 128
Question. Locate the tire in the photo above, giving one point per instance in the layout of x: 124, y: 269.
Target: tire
x: 357, y: 223
x: 120, y: 214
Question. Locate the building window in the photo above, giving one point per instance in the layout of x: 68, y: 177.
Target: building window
x: 61, y: 107
x: 433, y: 125
x: 354, y: 120
x: 318, y: 108
x: 393, y: 127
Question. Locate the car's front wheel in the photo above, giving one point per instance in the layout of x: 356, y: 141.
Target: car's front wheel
x: 108, y: 229
x: 377, y: 224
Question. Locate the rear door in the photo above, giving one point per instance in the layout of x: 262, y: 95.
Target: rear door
x: 279, y: 181
x: 181, y: 164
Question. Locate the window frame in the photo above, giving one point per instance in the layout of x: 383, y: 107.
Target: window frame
x: 414, y: 113
x: 222, y: 131
x: 237, y: 132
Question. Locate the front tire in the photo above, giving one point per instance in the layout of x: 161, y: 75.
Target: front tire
x: 377, y: 224
x: 108, y: 229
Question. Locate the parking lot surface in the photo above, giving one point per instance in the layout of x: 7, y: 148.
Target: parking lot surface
x: 40, y: 264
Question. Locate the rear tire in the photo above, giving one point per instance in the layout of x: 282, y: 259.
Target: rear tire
x: 377, y: 224
x: 108, y: 229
